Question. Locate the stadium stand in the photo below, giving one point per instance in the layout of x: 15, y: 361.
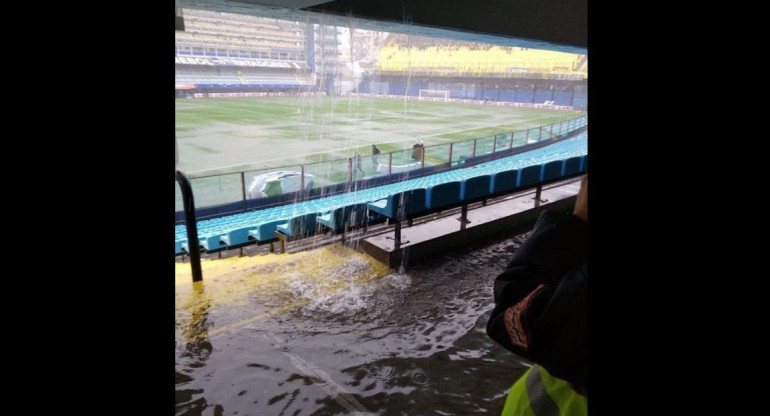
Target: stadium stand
x: 503, y: 175
x: 229, y: 50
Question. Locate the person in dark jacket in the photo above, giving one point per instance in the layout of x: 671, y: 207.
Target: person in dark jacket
x: 375, y: 153
x: 417, y: 150
x: 541, y: 314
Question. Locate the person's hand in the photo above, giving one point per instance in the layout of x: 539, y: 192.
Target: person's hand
x: 581, y: 203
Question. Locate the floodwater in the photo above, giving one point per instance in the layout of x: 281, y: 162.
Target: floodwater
x: 332, y: 332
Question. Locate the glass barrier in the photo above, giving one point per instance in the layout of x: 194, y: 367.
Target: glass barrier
x: 519, y: 138
x: 332, y: 173
x: 461, y: 151
x: 533, y: 135
x: 215, y: 190
x: 406, y: 160
x: 484, y: 145
x: 436, y: 155
x: 503, y: 142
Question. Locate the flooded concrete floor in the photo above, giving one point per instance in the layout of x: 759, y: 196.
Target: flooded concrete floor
x: 330, y: 331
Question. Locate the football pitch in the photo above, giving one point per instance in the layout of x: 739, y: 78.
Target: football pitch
x: 235, y: 134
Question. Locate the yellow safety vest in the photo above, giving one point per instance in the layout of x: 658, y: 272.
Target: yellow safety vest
x: 537, y: 393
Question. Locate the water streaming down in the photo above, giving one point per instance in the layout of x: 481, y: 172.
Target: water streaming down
x: 329, y: 330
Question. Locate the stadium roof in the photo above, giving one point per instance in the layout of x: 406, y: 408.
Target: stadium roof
x: 559, y: 25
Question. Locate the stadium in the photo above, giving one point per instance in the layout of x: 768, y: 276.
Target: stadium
x: 339, y: 176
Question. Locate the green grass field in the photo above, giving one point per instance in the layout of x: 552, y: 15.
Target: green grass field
x: 277, y: 131
x: 257, y: 135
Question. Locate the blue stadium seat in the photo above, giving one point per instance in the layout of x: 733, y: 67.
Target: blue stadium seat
x: 477, y: 187
x: 400, y: 205
x: 265, y: 231
x: 212, y: 242
x: 504, y: 181
x: 530, y: 175
x: 237, y: 236
x: 350, y: 216
x: 300, y: 225
x: 552, y: 170
x: 571, y: 166
x: 443, y: 194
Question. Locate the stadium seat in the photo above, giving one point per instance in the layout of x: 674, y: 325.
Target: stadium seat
x: 552, y: 170
x: 300, y: 225
x: 504, y: 181
x: 400, y: 205
x: 441, y: 195
x: 571, y: 166
x: 530, y: 175
x: 476, y: 187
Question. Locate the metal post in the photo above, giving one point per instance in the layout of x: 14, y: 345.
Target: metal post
x: 390, y: 163
x: 464, y: 216
x: 302, y: 178
x: 512, y: 134
x: 397, y: 239
x: 494, y: 144
x: 192, y: 227
x: 422, y: 157
x: 537, y: 195
x: 450, y: 154
x: 540, y: 134
x: 243, y: 190
x: 350, y: 171
x: 473, y: 152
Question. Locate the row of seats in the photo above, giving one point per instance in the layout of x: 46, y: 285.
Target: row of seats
x: 403, y: 205
x: 560, y: 159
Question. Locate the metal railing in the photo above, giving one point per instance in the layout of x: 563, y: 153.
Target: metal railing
x: 192, y: 226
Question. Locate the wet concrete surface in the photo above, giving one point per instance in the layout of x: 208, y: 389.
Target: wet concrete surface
x: 330, y: 331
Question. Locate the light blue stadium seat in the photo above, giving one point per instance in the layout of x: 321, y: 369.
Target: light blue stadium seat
x: 552, y: 170
x: 531, y: 175
x: 477, y: 187
x: 237, y: 236
x: 350, y: 216
x: 300, y: 225
x: 212, y: 242
x: 504, y: 181
x: 265, y: 231
x: 571, y: 166
x: 400, y: 205
x: 441, y: 195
